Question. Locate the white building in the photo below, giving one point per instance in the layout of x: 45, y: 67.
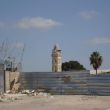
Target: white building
x: 100, y: 71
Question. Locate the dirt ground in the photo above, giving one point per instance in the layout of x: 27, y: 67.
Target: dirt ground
x: 58, y: 102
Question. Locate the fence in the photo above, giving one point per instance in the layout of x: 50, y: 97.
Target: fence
x: 75, y: 82
x: 99, y: 84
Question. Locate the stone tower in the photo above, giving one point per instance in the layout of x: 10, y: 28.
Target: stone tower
x: 56, y: 59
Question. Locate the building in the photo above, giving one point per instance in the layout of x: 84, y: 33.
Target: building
x: 100, y: 71
x: 56, y: 59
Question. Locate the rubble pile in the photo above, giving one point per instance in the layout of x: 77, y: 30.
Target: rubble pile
x: 10, y: 96
x: 38, y: 92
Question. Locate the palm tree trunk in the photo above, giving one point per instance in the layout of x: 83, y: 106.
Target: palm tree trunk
x: 96, y: 71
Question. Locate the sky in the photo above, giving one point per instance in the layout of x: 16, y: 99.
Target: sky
x: 79, y: 27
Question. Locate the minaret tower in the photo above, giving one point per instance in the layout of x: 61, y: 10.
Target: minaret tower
x: 56, y: 59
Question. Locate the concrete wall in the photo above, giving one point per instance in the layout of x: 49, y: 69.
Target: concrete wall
x: 7, y: 80
x: 2, y: 78
x: 12, y: 81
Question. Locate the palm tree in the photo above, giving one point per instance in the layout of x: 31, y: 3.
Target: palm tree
x: 96, y: 60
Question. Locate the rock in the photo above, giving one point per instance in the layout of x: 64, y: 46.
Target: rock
x: 52, y: 97
x: 25, y: 92
x: 33, y: 91
x: 8, y: 91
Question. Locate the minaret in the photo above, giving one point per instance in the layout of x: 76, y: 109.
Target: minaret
x: 56, y: 59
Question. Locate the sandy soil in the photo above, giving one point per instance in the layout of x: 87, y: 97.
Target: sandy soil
x: 61, y: 102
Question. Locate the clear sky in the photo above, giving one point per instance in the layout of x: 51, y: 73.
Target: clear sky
x: 78, y: 26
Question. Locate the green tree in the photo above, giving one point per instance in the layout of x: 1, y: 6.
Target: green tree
x: 72, y: 65
x: 96, y: 60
